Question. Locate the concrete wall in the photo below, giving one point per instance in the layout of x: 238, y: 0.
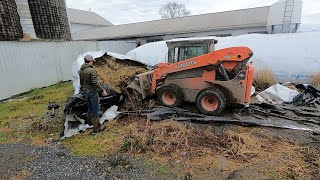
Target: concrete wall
x: 29, y: 65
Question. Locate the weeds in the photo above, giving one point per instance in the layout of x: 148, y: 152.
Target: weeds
x: 3, y: 137
x: 34, y: 102
x: 264, y: 78
x: 102, y: 144
x: 172, y: 138
x: 24, y: 113
x: 315, y: 79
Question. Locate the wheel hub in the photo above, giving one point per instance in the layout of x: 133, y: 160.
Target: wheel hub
x: 210, y: 103
x: 169, y: 98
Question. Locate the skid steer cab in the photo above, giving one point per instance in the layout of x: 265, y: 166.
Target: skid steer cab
x: 196, y: 72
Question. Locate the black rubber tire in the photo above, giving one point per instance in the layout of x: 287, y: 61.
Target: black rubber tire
x: 176, y: 90
x: 218, y: 95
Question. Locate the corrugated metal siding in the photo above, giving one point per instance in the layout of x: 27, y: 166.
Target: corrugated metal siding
x: 121, y: 47
x: 28, y: 65
x: 245, y: 18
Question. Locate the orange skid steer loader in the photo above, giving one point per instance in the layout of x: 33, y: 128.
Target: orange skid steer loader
x: 196, y: 73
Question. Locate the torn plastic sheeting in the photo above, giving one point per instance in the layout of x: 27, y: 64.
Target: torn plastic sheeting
x: 253, y: 90
x: 110, y: 114
x: 119, y: 56
x: 310, y: 96
x: 165, y: 113
x: 74, y: 125
x: 277, y: 94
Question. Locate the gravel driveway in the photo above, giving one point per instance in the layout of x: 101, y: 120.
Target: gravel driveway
x: 56, y: 162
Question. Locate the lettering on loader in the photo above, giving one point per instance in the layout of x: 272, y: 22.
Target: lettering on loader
x: 186, y: 64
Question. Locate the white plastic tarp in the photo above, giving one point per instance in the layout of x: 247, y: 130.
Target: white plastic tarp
x: 292, y: 57
x: 277, y: 94
x: 74, y: 125
x: 110, y: 114
x: 150, y: 54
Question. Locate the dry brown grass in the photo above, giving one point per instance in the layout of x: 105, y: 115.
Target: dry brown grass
x: 170, y: 138
x: 264, y: 78
x: 288, y: 159
x: 315, y: 79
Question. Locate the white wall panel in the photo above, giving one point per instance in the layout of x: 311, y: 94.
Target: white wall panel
x: 28, y: 65
x: 121, y: 47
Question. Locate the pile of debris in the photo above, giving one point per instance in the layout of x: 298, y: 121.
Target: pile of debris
x: 115, y: 72
x: 296, y: 103
x: 289, y: 93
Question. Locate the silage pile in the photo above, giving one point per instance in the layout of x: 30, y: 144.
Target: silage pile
x: 114, y: 72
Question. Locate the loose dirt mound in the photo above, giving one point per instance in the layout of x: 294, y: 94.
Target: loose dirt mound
x: 114, y: 72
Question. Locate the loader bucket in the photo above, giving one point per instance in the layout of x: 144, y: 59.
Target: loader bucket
x: 141, y: 83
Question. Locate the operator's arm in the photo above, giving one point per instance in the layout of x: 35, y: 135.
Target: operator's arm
x: 95, y: 81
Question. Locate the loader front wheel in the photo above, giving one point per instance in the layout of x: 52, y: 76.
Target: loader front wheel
x: 211, y: 102
x: 170, y: 95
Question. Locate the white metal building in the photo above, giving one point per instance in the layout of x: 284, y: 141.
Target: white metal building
x: 84, y: 20
x: 282, y: 17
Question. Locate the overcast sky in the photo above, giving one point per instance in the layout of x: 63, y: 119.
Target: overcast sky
x: 131, y: 11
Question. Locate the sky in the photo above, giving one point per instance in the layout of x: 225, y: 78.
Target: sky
x: 131, y: 11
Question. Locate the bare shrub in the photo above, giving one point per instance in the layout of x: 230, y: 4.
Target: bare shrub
x: 172, y: 138
x: 264, y: 78
x: 315, y: 79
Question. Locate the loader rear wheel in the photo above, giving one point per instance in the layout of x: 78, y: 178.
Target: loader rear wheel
x: 211, y: 102
x: 170, y: 95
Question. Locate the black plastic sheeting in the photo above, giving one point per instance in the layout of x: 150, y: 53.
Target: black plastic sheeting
x: 164, y: 113
x: 310, y: 96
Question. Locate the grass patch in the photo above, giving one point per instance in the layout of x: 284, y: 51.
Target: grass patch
x: 158, y: 168
x: 315, y: 79
x: 34, y: 103
x: 3, y: 137
x: 25, y: 113
x: 102, y: 144
x: 264, y: 78
x: 272, y: 175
